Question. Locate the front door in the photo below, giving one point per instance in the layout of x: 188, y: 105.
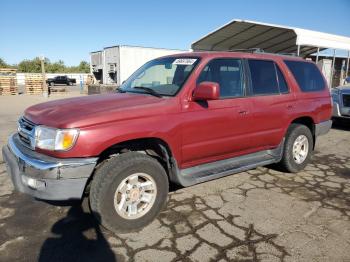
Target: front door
x: 218, y: 129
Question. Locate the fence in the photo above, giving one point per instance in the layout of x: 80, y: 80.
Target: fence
x: 8, y: 83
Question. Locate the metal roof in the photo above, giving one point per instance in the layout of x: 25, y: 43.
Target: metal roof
x: 243, y: 34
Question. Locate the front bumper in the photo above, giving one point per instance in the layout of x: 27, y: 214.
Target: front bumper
x: 46, y: 177
x: 340, y: 112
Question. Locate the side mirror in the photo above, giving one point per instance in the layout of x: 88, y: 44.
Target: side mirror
x: 206, y: 91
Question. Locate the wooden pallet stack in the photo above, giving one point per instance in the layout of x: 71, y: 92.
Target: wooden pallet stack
x: 34, y: 84
x: 8, y: 81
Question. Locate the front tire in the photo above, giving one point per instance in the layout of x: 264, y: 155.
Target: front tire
x: 297, y: 148
x: 128, y: 191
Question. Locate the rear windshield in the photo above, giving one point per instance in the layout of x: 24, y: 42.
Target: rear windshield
x: 307, y: 75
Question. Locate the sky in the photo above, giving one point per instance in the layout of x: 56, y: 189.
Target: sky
x: 70, y: 30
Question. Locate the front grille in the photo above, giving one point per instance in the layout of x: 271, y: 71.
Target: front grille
x: 346, y: 100
x: 26, y: 130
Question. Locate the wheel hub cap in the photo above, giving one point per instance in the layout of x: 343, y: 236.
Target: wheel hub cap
x: 300, y: 149
x: 135, y: 196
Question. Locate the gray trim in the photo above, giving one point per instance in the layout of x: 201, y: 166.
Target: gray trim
x: 201, y: 173
x: 323, y: 127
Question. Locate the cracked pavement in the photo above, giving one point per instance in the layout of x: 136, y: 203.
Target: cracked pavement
x: 258, y: 215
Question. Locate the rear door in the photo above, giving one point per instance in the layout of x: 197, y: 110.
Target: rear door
x: 63, y: 80
x: 272, y: 100
x: 59, y: 80
x: 218, y: 129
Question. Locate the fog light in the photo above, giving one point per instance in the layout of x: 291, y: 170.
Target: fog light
x: 33, y: 183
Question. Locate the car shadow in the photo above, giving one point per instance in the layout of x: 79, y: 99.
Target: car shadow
x: 77, y: 237
x: 341, y: 124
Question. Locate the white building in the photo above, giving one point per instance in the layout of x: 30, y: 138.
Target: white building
x: 115, y: 64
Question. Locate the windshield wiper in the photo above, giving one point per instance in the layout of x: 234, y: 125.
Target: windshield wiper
x: 148, y: 90
x: 119, y: 90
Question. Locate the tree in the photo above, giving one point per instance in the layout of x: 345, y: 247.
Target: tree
x: 31, y: 66
x: 3, y: 64
x: 56, y: 67
x: 84, y: 67
x: 34, y: 66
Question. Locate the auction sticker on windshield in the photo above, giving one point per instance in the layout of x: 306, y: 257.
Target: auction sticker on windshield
x: 184, y: 61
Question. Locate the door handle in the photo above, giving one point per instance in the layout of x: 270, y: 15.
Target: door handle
x: 243, y: 112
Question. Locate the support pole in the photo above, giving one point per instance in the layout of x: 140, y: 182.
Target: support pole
x: 347, y: 65
x: 45, y: 90
x: 332, y: 72
x: 318, y: 52
x: 298, y: 52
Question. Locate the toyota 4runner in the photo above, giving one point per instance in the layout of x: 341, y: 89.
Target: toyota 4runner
x: 185, y: 119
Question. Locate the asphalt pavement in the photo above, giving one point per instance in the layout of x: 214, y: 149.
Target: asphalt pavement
x: 259, y: 215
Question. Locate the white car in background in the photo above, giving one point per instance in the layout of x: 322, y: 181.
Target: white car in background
x: 341, y: 102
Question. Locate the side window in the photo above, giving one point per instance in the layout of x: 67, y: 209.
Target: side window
x: 228, y: 73
x: 281, y: 81
x: 307, y: 75
x: 263, y: 76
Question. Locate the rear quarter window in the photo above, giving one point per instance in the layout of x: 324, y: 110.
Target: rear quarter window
x: 307, y: 76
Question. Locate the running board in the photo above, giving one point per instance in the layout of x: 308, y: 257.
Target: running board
x: 202, y: 173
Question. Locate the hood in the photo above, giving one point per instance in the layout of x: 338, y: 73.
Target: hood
x: 96, y: 109
x: 344, y: 89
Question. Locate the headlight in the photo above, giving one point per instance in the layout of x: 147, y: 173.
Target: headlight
x: 55, y: 139
x: 335, y: 95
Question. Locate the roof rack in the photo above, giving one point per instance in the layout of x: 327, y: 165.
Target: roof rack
x: 261, y: 51
x: 287, y: 54
x: 250, y: 50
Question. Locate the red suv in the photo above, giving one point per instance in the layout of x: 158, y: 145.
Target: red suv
x: 186, y: 119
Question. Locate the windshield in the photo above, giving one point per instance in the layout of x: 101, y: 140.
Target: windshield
x: 164, y: 76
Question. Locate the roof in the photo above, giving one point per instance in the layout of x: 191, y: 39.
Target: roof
x: 243, y: 34
x: 235, y: 54
x: 343, y: 87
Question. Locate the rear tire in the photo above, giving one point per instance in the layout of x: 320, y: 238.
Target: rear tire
x: 297, y: 148
x: 125, y: 183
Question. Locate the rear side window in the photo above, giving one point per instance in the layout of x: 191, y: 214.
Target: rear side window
x: 307, y: 75
x: 263, y: 76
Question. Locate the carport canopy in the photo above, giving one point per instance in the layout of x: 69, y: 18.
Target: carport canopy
x: 243, y: 34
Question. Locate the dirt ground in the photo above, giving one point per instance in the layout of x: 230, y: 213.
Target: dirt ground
x: 259, y: 215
